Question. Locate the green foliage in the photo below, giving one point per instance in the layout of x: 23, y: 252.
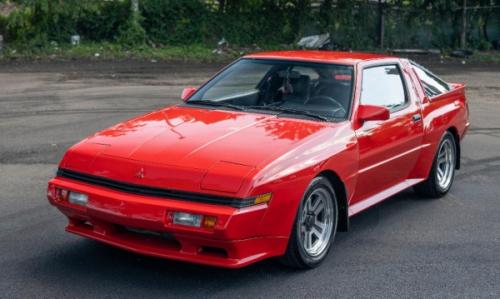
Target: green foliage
x: 131, y: 32
x: 102, y: 20
x: 105, y: 50
x: 265, y: 23
x: 39, y: 21
x: 3, y: 25
x: 484, y: 45
x: 192, y: 21
x: 353, y: 24
x: 176, y: 21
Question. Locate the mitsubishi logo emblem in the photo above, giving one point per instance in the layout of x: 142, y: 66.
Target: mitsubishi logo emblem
x: 140, y: 173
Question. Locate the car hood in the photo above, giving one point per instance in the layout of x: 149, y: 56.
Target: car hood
x: 196, y: 144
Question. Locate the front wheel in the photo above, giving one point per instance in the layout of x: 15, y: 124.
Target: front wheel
x: 315, y: 226
x: 443, y: 169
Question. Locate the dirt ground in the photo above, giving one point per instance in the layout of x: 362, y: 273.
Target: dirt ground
x: 403, y: 247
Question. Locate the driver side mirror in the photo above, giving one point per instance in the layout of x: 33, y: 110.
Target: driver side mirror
x: 187, y: 93
x: 372, y: 112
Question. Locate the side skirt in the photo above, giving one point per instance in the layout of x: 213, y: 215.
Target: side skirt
x: 375, y: 199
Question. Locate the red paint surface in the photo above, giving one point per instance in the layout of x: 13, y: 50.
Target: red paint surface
x: 240, y: 154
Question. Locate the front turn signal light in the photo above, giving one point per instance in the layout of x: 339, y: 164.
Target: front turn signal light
x: 209, y: 222
x: 264, y: 198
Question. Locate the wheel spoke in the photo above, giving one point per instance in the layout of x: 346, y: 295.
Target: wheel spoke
x: 442, y: 154
x: 308, y: 240
x: 440, y: 174
x: 309, y: 204
x: 319, y: 226
x: 318, y: 207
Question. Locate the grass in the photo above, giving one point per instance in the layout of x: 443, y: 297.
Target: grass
x: 192, y: 53
x: 486, y: 57
x: 109, y: 51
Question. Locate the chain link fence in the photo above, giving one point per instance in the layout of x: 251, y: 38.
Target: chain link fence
x: 361, y: 25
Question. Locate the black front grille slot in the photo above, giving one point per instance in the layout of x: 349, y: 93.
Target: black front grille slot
x: 153, y: 191
x: 164, y: 238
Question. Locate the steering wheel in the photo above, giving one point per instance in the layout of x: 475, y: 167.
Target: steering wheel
x: 325, y: 100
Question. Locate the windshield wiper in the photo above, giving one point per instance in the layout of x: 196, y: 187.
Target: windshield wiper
x: 216, y: 104
x: 284, y: 110
x: 301, y: 112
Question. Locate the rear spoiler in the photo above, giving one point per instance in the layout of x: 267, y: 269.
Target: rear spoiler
x: 456, y: 85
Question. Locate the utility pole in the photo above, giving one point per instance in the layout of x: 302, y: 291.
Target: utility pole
x: 222, y: 5
x: 381, y: 24
x: 463, y: 40
x: 135, y: 6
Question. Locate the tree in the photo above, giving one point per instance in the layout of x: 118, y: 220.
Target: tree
x: 463, y: 29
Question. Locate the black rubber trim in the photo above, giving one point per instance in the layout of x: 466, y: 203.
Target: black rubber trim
x: 154, y: 191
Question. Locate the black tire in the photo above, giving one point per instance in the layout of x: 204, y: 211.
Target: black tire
x: 296, y: 255
x: 431, y: 187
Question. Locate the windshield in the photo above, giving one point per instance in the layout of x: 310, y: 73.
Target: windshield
x: 304, y: 89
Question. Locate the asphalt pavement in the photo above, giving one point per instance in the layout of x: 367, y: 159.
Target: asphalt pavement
x: 404, y: 247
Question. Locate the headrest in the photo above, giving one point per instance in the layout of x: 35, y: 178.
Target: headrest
x: 290, y: 75
x: 301, y: 84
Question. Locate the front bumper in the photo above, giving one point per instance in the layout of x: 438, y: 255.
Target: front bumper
x: 141, y: 224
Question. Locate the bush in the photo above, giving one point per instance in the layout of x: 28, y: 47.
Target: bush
x: 177, y: 21
x: 3, y: 25
x: 352, y: 24
x: 131, y: 32
x: 40, y: 21
x: 181, y: 22
x: 485, y: 45
x: 37, y: 22
x: 266, y: 24
x: 101, y: 20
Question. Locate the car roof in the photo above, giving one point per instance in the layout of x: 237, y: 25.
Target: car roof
x: 319, y: 56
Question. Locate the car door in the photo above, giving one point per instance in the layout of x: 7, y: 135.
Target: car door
x: 389, y: 149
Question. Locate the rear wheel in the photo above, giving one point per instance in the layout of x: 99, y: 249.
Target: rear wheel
x: 443, y: 170
x: 315, y: 226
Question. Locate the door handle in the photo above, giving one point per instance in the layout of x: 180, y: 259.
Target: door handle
x: 416, y: 118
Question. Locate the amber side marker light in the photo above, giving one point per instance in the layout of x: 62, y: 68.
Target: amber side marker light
x: 209, y: 222
x: 61, y: 194
x: 264, y: 198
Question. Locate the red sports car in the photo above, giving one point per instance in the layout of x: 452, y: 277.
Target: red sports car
x: 269, y: 158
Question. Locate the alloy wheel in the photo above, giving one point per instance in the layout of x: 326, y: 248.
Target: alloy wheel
x: 316, y: 222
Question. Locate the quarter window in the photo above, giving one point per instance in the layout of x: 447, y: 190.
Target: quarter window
x: 383, y: 86
x: 433, y: 86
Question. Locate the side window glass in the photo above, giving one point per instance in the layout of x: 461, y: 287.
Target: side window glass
x: 383, y: 86
x: 433, y: 86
